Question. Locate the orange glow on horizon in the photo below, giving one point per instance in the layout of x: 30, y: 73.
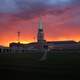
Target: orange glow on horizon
x: 6, y: 43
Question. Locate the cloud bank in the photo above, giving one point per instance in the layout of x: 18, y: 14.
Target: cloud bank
x: 30, y: 8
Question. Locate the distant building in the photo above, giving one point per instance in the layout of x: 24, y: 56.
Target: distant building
x: 51, y: 45
x: 63, y: 45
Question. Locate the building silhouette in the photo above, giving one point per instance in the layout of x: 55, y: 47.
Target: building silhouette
x: 40, y: 36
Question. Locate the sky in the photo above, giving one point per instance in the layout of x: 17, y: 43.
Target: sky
x: 61, y: 20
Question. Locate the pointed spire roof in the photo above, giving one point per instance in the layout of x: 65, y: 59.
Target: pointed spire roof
x: 40, y: 23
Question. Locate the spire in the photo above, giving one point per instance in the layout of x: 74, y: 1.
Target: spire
x: 40, y: 23
x: 40, y: 37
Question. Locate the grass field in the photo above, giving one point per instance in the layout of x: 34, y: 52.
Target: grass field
x: 54, y: 65
x: 34, y: 59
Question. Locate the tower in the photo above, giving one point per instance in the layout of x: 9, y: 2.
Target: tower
x: 40, y: 35
x: 18, y: 34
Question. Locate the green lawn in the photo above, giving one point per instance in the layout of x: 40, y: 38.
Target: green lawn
x: 25, y: 59
x: 30, y: 64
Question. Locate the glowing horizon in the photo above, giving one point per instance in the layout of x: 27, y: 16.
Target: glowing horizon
x: 30, y: 41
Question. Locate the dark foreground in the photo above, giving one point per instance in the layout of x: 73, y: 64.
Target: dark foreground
x: 41, y: 73
x: 29, y: 67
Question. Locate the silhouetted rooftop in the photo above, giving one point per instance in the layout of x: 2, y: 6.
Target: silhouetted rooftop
x: 63, y: 42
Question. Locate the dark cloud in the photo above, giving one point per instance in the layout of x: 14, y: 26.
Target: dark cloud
x: 29, y: 8
x: 40, y: 7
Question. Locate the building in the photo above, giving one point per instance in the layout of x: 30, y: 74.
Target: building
x: 62, y: 45
x: 40, y: 36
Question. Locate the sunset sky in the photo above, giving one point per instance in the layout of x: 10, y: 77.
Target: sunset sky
x: 61, y: 20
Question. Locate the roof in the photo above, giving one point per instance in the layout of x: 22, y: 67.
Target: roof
x: 62, y: 42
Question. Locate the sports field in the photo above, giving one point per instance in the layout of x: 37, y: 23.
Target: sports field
x: 62, y: 65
